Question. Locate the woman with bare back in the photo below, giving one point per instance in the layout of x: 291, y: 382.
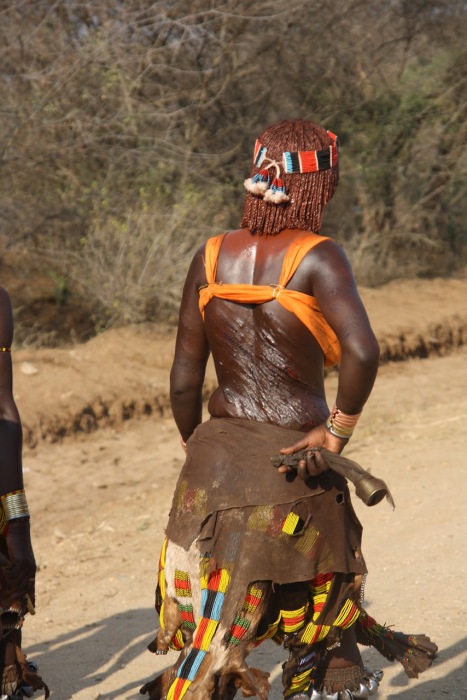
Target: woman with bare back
x: 252, y: 552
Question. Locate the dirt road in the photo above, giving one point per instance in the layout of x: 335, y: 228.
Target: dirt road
x: 100, y: 500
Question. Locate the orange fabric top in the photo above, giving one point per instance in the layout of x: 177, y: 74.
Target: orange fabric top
x: 303, y: 306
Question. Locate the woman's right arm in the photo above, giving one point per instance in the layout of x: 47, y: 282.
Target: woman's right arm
x: 191, y: 354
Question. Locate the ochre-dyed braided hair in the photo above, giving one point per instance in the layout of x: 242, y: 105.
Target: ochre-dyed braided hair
x: 308, y: 192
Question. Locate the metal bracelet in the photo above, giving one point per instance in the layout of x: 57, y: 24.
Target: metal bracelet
x: 338, y: 433
x: 15, y: 505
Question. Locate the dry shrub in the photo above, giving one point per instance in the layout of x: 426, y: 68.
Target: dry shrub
x: 103, y: 100
x: 135, y: 267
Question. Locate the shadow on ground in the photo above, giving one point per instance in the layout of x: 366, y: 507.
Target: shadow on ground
x: 108, y: 646
x: 452, y: 685
x: 101, y: 650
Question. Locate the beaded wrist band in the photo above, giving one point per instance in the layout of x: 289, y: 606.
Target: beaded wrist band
x: 341, y: 424
x: 15, y: 505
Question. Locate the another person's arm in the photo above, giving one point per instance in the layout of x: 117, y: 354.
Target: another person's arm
x: 335, y: 290
x: 20, y: 577
x: 191, y: 355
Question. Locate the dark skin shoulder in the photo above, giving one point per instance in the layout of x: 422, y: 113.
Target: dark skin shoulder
x: 19, y: 579
x: 269, y: 366
x: 11, y: 475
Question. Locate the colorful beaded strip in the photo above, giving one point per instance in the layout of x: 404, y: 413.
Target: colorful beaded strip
x: 302, y: 161
x: 213, y: 588
x: 5, y: 349
x: 259, y: 153
x: 349, y: 613
x: 242, y: 621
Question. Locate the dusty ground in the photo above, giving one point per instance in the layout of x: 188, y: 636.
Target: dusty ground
x: 102, y: 456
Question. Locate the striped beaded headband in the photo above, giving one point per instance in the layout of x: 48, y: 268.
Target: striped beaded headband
x: 302, y: 161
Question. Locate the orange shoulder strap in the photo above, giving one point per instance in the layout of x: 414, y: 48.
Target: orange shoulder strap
x: 211, y: 251
x: 293, y: 257
x: 295, y: 254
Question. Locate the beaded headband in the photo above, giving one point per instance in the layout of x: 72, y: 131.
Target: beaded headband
x: 302, y: 161
x: 273, y: 189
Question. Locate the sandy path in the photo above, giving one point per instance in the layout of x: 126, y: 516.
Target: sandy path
x: 99, y: 506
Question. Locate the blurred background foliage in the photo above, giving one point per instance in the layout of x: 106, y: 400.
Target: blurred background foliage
x: 127, y: 128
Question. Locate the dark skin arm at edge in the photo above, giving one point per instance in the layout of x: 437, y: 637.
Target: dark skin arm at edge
x: 11, y: 472
x: 336, y: 292
x: 20, y: 577
x: 191, y: 354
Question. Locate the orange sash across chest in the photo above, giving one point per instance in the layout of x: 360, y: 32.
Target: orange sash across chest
x: 303, y: 306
